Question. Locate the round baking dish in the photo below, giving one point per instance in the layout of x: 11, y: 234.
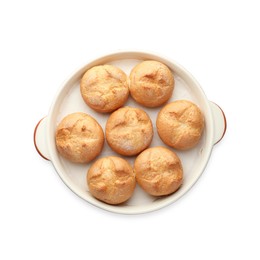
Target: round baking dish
x: 69, y: 100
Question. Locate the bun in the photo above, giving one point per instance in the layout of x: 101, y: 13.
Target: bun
x: 151, y: 83
x: 111, y: 179
x: 180, y: 124
x: 79, y: 138
x: 158, y: 171
x: 129, y: 131
x: 104, y: 88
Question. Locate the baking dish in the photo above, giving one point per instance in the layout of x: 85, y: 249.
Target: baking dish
x: 68, y: 100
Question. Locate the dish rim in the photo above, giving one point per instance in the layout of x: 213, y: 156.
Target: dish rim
x: 186, y: 75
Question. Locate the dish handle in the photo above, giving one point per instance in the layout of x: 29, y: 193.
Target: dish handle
x: 220, y: 123
x: 39, y: 138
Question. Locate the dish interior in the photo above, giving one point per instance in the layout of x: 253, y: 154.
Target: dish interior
x: 74, y: 175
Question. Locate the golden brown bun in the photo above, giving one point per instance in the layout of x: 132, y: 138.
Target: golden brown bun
x: 151, y: 83
x: 158, y: 171
x: 180, y: 124
x: 104, y: 88
x: 129, y: 131
x: 79, y: 138
x: 111, y: 179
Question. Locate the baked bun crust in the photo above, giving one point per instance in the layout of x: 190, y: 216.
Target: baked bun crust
x: 111, y: 179
x: 158, y: 171
x: 180, y: 124
x: 151, y: 83
x: 129, y: 131
x: 104, y: 88
x: 79, y: 137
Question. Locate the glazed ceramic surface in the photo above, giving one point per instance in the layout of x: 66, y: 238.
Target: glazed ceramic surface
x: 69, y: 100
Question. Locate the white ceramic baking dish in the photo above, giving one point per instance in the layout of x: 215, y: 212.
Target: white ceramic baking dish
x: 69, y: 100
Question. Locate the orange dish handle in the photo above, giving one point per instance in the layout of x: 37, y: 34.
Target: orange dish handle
x: 39, y: 138
x: 220, y: 122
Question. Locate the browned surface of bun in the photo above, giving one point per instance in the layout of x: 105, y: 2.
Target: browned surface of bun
x: 158, y: 171
x: 79, y: 137
x: 151, y: 83
x: 104, y: 88
x: 111, y: 179
x: 129, y: 131
x: 180, y: 124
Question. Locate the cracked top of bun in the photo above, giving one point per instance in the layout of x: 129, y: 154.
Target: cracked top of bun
x: 180, y: 124
x: 129, y: 131
x: 151, y: 83
x: 111, y: 179
x: 104, y: 88
x: 158, y: 171
x: 79, y: 137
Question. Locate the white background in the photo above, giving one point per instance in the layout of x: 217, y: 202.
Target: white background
x: 42, y: 42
